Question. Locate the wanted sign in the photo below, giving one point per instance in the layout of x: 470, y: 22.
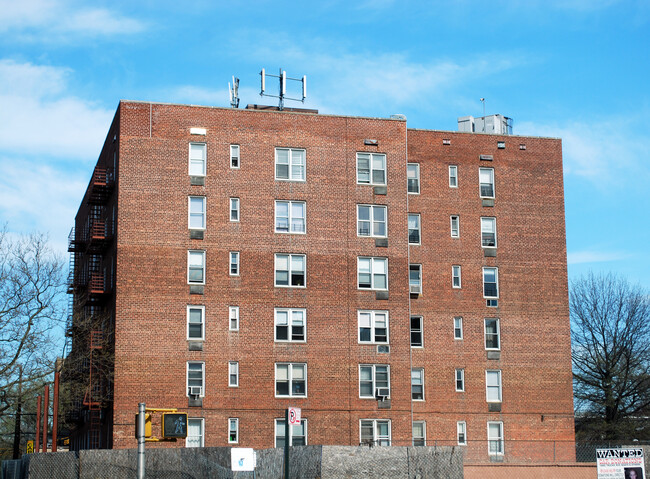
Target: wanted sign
x: 620, y: 463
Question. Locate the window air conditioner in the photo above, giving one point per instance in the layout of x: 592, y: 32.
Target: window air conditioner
x: 415, y: 289
x: 382, y: 393
x: 196, y: 391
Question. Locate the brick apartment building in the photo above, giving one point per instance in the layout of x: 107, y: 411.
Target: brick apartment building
x: 400, y: 286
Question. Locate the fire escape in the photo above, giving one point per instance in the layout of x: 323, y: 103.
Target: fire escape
x: 89, y: 286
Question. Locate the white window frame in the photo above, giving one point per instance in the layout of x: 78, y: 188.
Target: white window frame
x: 485, y: 221
x: 290, y: 379
x: 235, y: 156
x: 415, y: 372
x: 191, y: 307
x: 233, y: 421
x: 290, y: 271
x: 233, y: 374
x: 290, y: 164
x: 453, y: 176
x: 303, y: 426
x: 374, y: 319
x: 233, y: 318
x: 372, y: 261
x: 377, y: 439
x: 491, y: 385
x: 420, y: 330
x: 373, y: 379
x: 201, y: 438
x: 496, y: 282
x: 459, y: 376
x: 187, y: 377
x: 290, y: 218
x: 490, y: 172
x: 233, y: 265
x: 416, y: 440
x: 191, y: 213
x: 290, y: 318
x: 371, y: 221
x: 197, y: 160
x: 496, y: 444
x: 195, y: 254
x: 416, y: 168
x: 458, y: 327
x: 497, y: 334
x: 418, y: 227
x: 415, y: 284
x: 235, y: 214
x: 371, y: 177
x: 456, y: 274
x: 454, y: 224
x: 461, y: 433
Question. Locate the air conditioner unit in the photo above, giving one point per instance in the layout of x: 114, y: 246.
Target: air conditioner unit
x: 415, y: 289
x: 196, y: 391
x: 383, y: 348
x: 382, y: 393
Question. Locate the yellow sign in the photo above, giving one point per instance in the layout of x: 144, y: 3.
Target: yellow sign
x: 30, y: 447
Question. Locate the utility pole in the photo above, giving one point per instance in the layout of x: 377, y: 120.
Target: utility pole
x: 19, y: 407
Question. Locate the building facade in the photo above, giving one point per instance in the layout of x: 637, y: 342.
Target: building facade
x: 394, y: 284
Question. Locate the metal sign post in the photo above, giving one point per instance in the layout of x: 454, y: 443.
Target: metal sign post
x: 287, y: 441
x: 141, y: 457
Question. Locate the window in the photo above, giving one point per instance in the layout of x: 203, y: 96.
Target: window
x: 195, y: 378
x: 371, y: 168
x: 413, y: 178
x: 455, y: 276
x: 371, y: 221
x: 233, y: 430
x: 196, y: 212
x: 372, y: 378
x: 197, y: 159
x: 196, y: 267
x: 495, y: 438
x: 289, y: 164
x: 417, y: 384
x: 234, y: 156
x: 491, y: 285
x: 415, y: 278
x: 486, y: 181
x: 458, y: 327
x: 492, y: 334
x: 416, y: 331
x: 234, y: 263
x: 453, y: 176
x: 373, y: 327
x: 372, y: 273
x: 297, y: 435
x: 414, y: 228
x: 233, y: 318
x: 196, y: 323
x: 493, y: 385
x: 234, y: 209
x: 375, y: 432
x: 455, y: 226
x: 419, y: 433
x: 461, y: 433
x: 290, y: 217
x: 290, y: 270
x: 290, y: 325
x: 195, y: 434
x: 488, y: 232
x: 290, y: 380
x: 233, y: 374
x: 460, y: 380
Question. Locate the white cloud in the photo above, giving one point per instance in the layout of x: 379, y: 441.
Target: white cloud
x: 591, y: 256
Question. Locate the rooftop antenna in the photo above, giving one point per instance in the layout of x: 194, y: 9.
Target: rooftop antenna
x: 282, y: 76
x: 234, y: 92
x: 483, y: 101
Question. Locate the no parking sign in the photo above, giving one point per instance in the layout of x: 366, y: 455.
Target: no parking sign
x: 294, y: 415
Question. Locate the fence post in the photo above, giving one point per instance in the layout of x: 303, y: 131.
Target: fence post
x: 141, y: 457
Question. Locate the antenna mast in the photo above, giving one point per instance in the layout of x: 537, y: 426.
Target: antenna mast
x: 282, y: 76
x: 234, y: 92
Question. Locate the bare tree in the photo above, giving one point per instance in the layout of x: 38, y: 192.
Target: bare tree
x: 610, y: 327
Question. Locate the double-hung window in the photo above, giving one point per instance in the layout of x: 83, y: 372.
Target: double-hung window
x: 453, y: 176
x: 371, y: 168
x: 491, y: 286
x: 234, y: 263
x: 233, y: 318
x: 234, y: 156
x: 297, y: 435
x: 290, y: 270
x: 374, y: 380
x: 495, y: 438
x: 290, y: 380
x: 455, y: 276
x: 290, y: 164
x: 290, y: 325
x: 492, y: 340
x: 458, y: 327
x: 460, y: 380
x: 488, y: 232
x: 493, y: 385
x: 196, y: 212
x: 196, y: 378
x: 454, y: 221
x: 486, y: 182
x: 372, y: 273
x: 233, y: 374
x: 196, y: 323
x: 233, y: 430
x: 195, y: 428
x: 461, y: 433
x: 196, y: 267
x: 290, y: 217
x: 371, y: 221
x: 414, y: 228
x: 234, y: 209
x: 417, y: 384
x: 197, y: 159
x: 375, y: 432
x: 416, y: 331
x: 373, y: 327
x: 413, y: 178
x: 415, y: 278
x: 419, y: 433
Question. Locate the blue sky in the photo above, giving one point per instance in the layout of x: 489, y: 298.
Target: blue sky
x: 575, y: 69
